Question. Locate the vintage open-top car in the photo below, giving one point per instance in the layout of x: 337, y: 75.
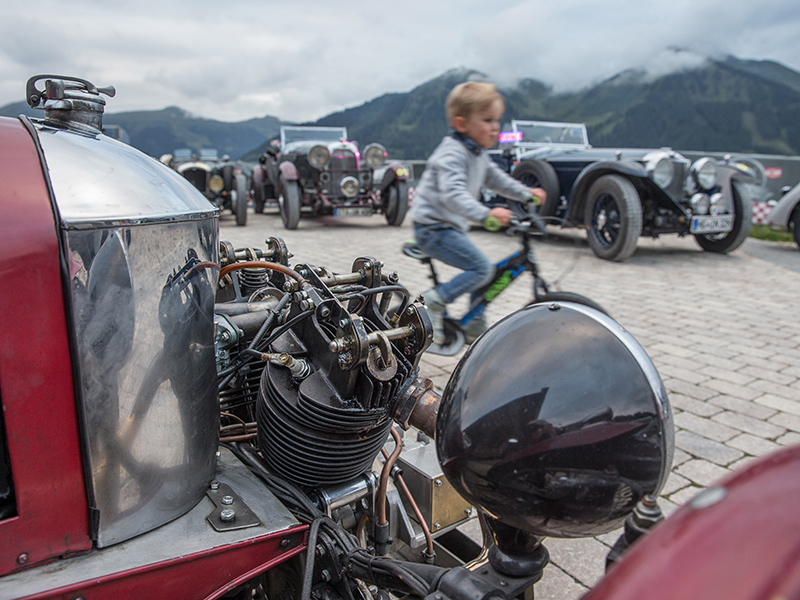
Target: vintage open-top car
x: 222, y: 182
x: 618, y: 195
x: 317, y: 170
x: 785, y: 213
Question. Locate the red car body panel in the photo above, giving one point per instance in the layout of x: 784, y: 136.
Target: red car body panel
x: 39, y: 412
x: 746, y: 546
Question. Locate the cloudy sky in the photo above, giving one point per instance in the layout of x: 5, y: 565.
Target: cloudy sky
x: 300, y: 60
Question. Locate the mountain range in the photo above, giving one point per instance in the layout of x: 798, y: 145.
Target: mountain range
x: 725, y: 105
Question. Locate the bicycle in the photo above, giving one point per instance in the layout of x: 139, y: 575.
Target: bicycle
x: 506, y: 271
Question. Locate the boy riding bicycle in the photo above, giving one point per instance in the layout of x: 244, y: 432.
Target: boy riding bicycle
x: 446, y: 199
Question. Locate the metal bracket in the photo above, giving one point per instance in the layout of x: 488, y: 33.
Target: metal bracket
x: 230, y: 511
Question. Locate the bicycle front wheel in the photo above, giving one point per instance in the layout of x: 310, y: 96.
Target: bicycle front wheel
x: 548, y: 297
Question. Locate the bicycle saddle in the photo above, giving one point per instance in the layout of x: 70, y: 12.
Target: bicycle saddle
x: 411, y: 249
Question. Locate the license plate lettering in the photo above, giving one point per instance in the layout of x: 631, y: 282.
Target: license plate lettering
x: 352, y: 212
x: 712, y: 224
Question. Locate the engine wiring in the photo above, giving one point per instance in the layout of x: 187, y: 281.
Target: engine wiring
x: 359, y: 561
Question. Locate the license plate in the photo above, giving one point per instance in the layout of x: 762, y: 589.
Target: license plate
x: 712, y: 224
x: 352, y: 212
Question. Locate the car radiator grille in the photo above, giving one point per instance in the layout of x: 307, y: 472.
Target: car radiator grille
x: 197, y: 177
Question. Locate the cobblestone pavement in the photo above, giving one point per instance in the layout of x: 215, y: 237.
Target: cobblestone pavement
x: 723, y: 331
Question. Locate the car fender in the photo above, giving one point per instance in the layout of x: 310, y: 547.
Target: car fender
x: 289, y: 170
x: 394, y: 172
x: 782, y: 212
x: 259, y: 176
x: 577, y: 196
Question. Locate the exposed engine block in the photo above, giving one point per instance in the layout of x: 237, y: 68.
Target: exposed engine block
x: 321, y: 362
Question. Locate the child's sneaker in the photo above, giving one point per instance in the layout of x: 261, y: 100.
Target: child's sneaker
x: 475, y: 328
x: 436, y: 309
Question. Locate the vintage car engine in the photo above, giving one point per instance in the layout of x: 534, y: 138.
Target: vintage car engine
x: 318, y: 361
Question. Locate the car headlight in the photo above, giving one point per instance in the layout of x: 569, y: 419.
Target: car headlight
x: 375, y: 155
x: 349, y: 187
x: 216, y: 184
x: 700, y: 203
x: 704, y: 172
x: 318, y: 156
x: 661, y: 170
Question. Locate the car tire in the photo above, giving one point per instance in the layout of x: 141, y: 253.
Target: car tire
x: 538, y: 173
x: 396, y: 204
x: 613, y: 216
x: 742, y: 223
x: 289, y: 203
x: 257, y: 187
x: 240, y: 205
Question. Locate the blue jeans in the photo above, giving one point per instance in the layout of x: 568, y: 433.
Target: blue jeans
x: 455, y: 249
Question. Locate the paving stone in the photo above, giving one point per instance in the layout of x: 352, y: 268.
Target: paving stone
x: 753, y: 445
x: 583, y: 558
x: 749, y: 424
x: 744, y: 407
x: 786, y: 420
x: 692, y: 391
x: 701, y: 472
x: 674, y: 483
x: 702, y: 447
x: 684, y: 495
x: 744, y: 392
x: 697, y: 407
x: 789, y: 439
x: 775, y: 389
x: 780, y: 403
x: 704, y: 427
x: 679, y: 457
x: 556, y: 583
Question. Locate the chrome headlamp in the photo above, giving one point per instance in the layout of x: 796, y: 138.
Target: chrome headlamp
x: 661, y: 170
x: 216, y: 184
x: 704, y: 172
x: 318, y: 156
x: 700, y: 203
x: 375, y: 155
x: 349, y: 187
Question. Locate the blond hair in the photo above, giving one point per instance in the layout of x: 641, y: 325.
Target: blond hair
x: 469, y: 97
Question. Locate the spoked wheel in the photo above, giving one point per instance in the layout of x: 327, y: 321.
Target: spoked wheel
x: 454, y: 339
x: 537, y: 173
x: 550, y: 297
x: 289, y: 203
x: 614, y: 217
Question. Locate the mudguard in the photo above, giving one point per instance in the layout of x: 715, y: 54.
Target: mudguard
x: 289, y: 170
x: 394, y: 171
x: 577, y: 197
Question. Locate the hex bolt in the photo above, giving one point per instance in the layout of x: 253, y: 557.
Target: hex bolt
x: 227, y: 500
x: 214, y: 485
x: 227, y: 515
x: 326, y: 576
x: 437, y: 526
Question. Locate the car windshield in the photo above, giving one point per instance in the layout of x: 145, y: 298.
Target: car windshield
x: 544, y: 132
x: 208, y: 154
x: 183, y: 154
x: 312, y: 134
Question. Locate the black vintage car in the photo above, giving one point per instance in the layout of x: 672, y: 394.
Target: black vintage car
x: 217, y: 178
x: 318, y: 171
x: 618, y: 195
